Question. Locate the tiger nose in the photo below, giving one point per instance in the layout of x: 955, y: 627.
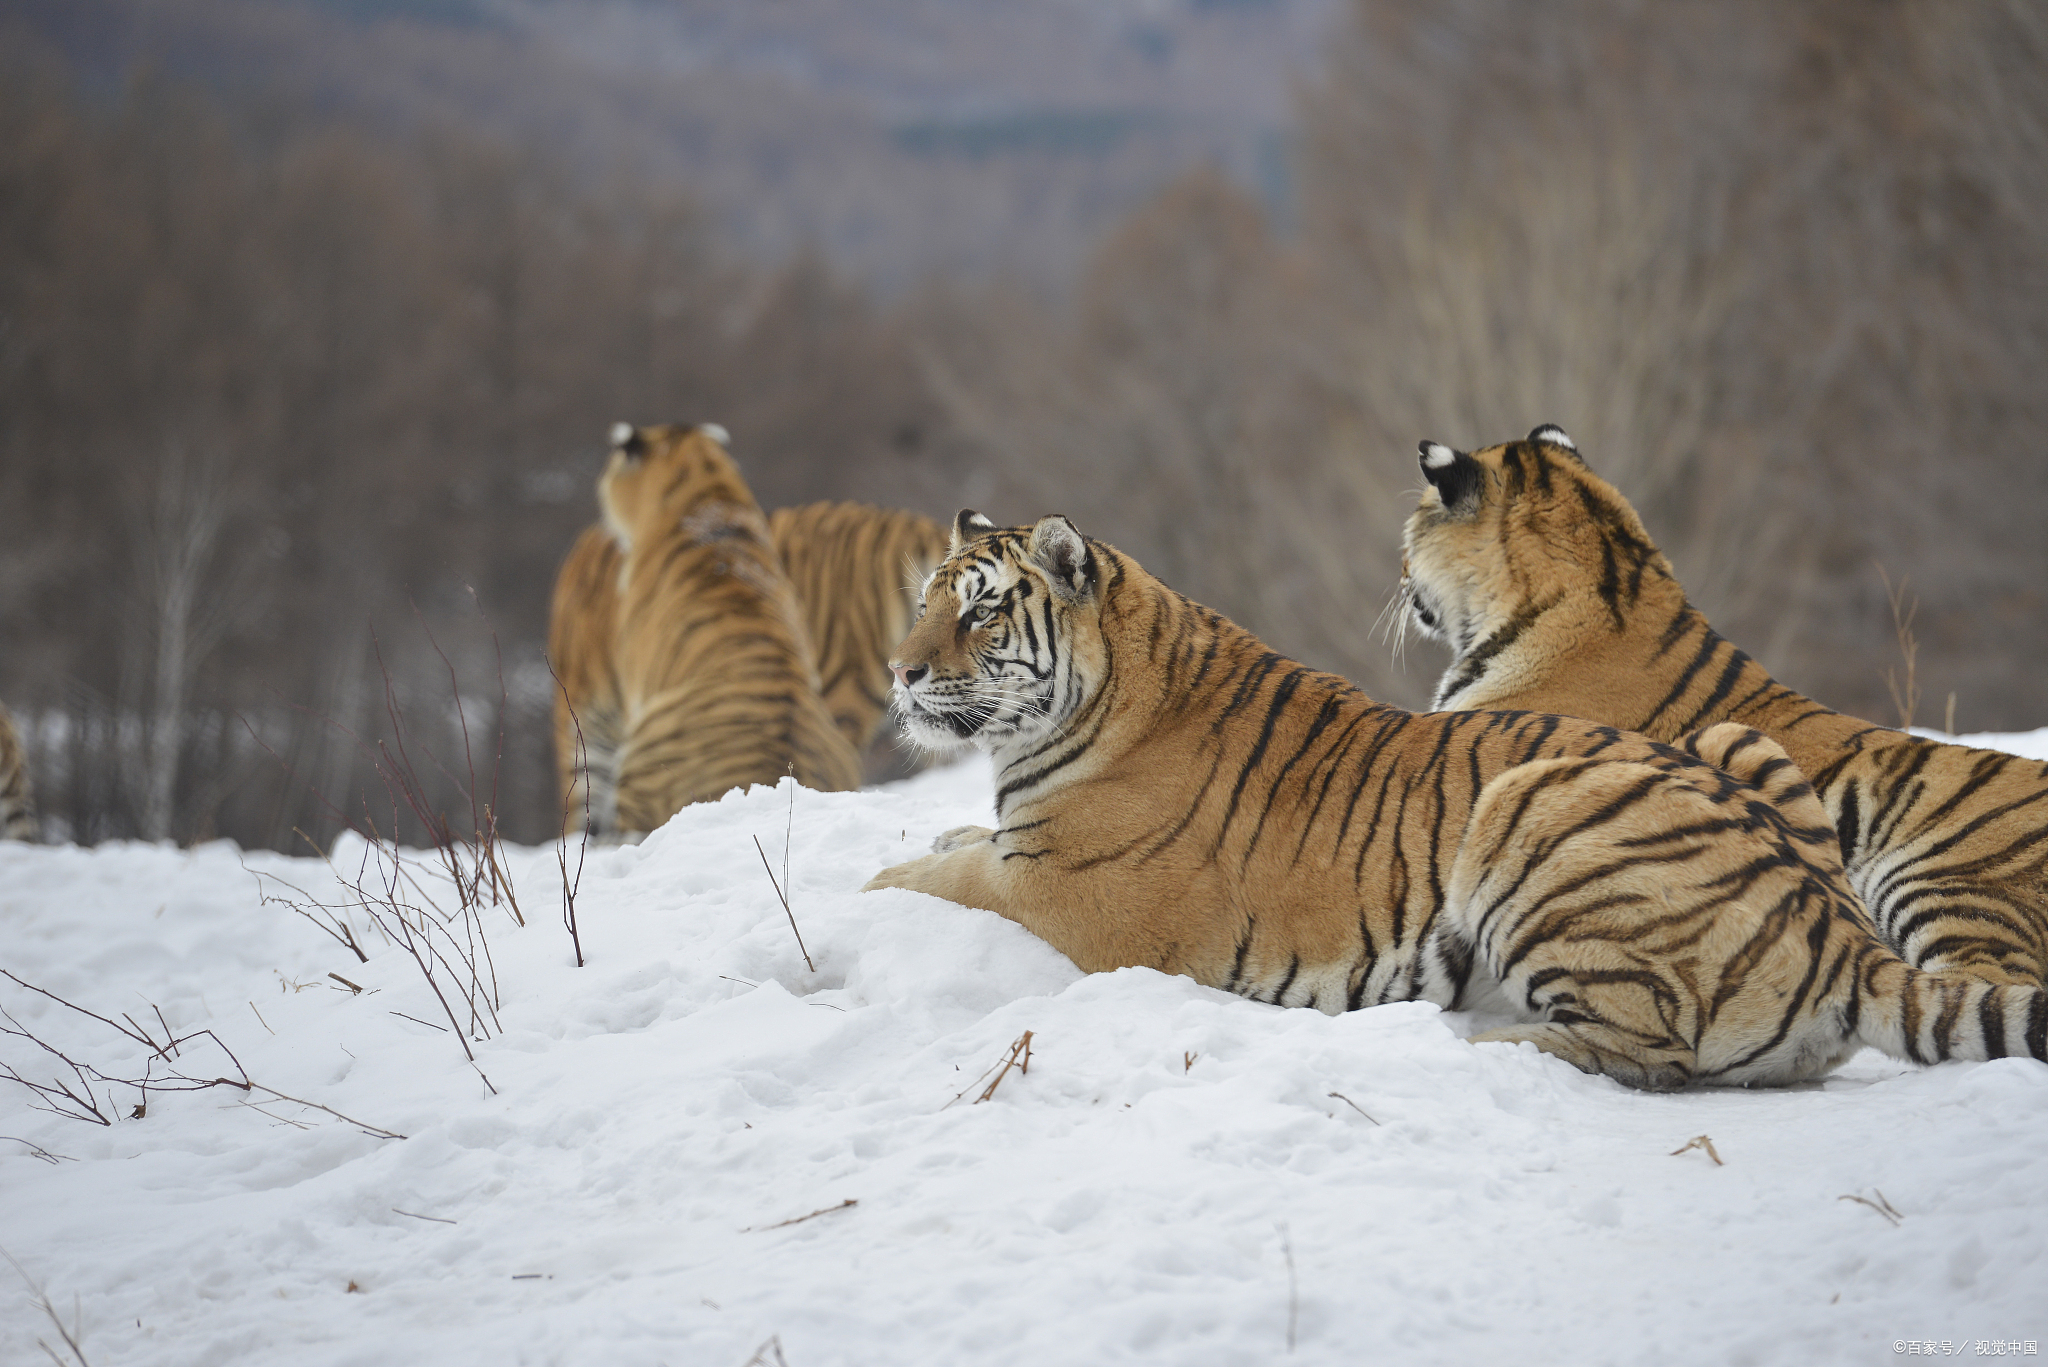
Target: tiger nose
x: 906, y: 675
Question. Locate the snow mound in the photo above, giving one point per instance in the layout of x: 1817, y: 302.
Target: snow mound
x: 698, y: 1142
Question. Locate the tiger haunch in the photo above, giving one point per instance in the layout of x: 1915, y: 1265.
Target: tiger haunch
x: 1552, y: 596
x: 1172, y: 794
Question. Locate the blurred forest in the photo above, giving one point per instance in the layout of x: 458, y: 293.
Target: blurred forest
x: 299, y: 411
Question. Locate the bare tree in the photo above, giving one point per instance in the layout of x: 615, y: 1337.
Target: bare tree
x: 183, y: 513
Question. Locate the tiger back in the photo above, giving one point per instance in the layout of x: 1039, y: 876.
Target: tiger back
x: 17, y: 798
x: 716, y: 683
x: 582, y: 625
x: 856, y: 569
x: 1172, y: 794
x: 1552, y: 596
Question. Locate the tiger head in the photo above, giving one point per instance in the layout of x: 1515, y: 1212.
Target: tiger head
x: 1008, y: 640
x: 657, y: 475
x: 1512, y: 530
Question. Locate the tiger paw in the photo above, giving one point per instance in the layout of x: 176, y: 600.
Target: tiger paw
x: 896, y: 876
x: 960, y: 836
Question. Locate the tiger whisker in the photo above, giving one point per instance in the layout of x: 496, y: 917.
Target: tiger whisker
x: 1393, y: 621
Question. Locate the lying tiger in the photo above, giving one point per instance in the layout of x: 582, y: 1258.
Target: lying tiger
x: 710, y: 682
x: 17, y: 799
x: 1551, y: 595
x: 1171, y: 793
x: 856, y: 570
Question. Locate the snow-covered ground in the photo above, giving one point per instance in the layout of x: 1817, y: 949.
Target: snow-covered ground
x: 1180, y: 1177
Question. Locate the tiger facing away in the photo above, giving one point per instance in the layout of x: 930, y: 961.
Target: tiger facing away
x: 1552, y: 597
x: 17, y: 798
x: 716, y: 685
x: 1172, y: 794
x: 856, y: 569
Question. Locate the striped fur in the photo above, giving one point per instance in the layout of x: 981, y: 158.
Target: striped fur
x: 17, y: 798
x: 1172, y: 794
x: 1551, y: 595
x: 856, y: 569
x: 1667, y: 927
x: 582, y: 625
x: 716, y: 683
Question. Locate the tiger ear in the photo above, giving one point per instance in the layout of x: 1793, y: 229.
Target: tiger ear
x: 716, y: 431
x: 1550, y: 434
x: 1058, y: 548
x: 626, y: 438
x: 1455, y: 476
x: 969, y: 526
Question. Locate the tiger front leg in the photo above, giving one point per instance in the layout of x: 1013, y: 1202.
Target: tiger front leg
x: 970, y: 871
x: 1090, y: 917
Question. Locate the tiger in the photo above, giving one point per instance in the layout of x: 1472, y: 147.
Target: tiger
x: 856, y: 569
x: 1551, y: 596
x: 716, y: 684
x: 582, y: 623
x: 1171, y: 793
x: 17, y: 798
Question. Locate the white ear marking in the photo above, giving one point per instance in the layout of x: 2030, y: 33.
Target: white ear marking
x: 622, y: 432
x: 1436, y: 455
x: 717, y: 433
x: 1551, y: 433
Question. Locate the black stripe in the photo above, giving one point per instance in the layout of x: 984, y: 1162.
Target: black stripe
x: 1293, y: 967
x: 1709, y: 640
x: 1244, y: 943
x: 1281, y: 697
x: 1991, y: 1022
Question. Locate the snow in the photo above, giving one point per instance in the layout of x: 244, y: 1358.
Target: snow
x: 1138, y: 1196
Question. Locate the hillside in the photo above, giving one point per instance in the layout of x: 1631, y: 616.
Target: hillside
x: 901, y: 136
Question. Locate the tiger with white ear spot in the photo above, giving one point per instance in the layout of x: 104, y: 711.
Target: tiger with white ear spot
x: 1172, y: 794
x: 1552, y: 597
x: 710, y: 683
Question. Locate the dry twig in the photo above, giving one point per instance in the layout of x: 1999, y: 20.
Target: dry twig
x: 784, y: 1224
x: 72, y: 1335
x: 1699, y: 1141
x: 404, y: 895
x: 413, y: 1215
x: 571, y: 884
x: 1355, y: 1106
x: 1018, y: 1057
x: 780, y: 896
x: 74, y: 1099
x: 1880, y: 1205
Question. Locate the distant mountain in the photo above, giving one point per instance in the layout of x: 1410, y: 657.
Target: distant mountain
x: 897, y: 135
